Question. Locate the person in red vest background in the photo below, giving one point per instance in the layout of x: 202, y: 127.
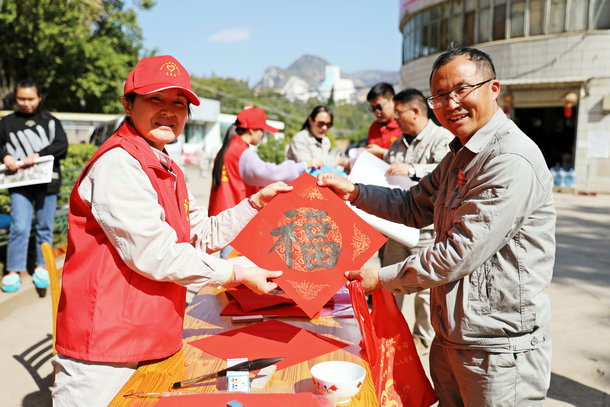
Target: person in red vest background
x: 384, y: 130
x: 136, y: 239
x: 239, y: 171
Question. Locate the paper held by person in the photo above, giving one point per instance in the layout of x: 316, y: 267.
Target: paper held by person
x: 39, y: 173
x: 368, y: 169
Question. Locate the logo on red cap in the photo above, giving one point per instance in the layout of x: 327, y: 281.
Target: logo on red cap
x: 170, y: 67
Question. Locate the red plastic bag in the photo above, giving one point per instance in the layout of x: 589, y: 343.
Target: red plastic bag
x: 399, y: 377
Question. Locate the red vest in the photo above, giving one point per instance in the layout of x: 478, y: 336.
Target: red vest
x: 232, y: 189
x: 108, y: 312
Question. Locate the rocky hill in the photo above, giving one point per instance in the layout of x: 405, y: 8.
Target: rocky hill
x: 311, y: 69
x: 371, y: 77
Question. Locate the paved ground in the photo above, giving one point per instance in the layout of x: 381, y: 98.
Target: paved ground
x: 580, y: 304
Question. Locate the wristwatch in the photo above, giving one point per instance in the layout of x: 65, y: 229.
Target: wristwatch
x: 411, y: 171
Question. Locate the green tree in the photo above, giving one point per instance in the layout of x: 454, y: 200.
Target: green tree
x: 271, y: 150
x: 71, y: 167
x: 79, y: 51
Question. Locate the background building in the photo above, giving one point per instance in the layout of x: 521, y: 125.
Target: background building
x: 552, y: 58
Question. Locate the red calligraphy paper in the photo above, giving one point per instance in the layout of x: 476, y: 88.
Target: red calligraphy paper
x: 339, y: 306
x: 281, y: 310
x: 269, y: 339
x: 311, y: 236
x: 250, y: 301
x: 247, y: 399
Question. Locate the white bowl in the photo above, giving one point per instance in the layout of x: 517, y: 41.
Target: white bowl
x: 343, y: 380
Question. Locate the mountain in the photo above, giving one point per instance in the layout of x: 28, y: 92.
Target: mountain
x: 307, y: 67
x: 311, y: 69
x: 370, y: 77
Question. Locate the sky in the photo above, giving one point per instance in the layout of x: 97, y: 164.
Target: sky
x: 241, y: 38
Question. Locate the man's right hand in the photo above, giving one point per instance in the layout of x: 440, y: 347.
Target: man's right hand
x: 341, y: 186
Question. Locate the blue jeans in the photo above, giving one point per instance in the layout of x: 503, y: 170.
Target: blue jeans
x: 22, y: 204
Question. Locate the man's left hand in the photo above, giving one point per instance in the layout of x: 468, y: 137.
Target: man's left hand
x: 369, y: 278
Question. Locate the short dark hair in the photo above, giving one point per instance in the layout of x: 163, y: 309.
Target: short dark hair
x: 314, y: 113
x: 482, y: 59
x: 410, y: 95
x: 28, y: 83
x: 381, y: 89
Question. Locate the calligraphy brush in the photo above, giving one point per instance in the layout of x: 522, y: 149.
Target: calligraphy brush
x: 240, y: 367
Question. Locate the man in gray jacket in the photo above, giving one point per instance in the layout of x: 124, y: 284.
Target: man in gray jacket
x: 491, y: 202
x: 415, y: 154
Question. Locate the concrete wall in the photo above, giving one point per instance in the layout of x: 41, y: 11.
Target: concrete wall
x: 592, y: 174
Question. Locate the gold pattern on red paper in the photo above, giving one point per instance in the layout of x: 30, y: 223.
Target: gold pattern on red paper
x: 307, y: 289
x: 312, y: 193
x: 360, y: 242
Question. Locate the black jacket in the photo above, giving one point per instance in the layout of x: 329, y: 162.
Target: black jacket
x: 22, y: 135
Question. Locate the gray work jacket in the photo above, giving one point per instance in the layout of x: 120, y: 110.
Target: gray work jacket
x: 491, y: 202
x: 424, y: 153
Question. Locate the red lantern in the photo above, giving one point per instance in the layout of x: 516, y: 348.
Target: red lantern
x: 568, y: 100
x: 507, y: 100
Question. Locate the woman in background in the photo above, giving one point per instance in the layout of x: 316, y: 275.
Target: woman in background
x: 239, y: 171
x: 26, y: 135
x: 311, y: 141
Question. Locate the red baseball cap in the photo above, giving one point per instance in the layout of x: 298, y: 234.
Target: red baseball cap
x: 159, y: 73
x: 254, y: 118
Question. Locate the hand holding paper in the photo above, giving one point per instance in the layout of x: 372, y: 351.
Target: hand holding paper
x: 258, y: 279
x: 341, y: 186
x: 398, y: 168
x: 32, y: 170
x: 262, y: 197
x: 11, y: 163
x: 30, y: 159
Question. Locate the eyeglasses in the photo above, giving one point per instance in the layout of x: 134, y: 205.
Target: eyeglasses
x: 399, y: 112
x: 457, y: 95
x: 322, y: 124
x: 377, y: 108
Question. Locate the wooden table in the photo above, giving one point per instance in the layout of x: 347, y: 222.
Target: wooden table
x: 158, y: 376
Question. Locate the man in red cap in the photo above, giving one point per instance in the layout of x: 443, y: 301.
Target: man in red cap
x: 136, y: 239
x: 239, y: 172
